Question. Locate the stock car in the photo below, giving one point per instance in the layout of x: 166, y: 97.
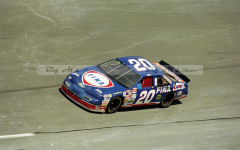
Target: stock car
x: 125, y: 82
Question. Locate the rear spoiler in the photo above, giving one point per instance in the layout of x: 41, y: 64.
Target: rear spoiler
x: 172, y: 69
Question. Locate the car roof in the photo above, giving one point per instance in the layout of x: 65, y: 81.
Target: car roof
x: 147, y: 72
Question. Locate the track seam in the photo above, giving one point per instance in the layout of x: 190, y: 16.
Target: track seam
x: 140, y: 125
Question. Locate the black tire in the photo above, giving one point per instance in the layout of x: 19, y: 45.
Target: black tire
x: 114, y: 104
x: 167, y: 100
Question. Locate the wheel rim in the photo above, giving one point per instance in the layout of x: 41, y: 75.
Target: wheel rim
x: 168, y: 99
x: 114, y: 105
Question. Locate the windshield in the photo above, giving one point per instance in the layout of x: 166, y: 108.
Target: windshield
x: 119, y: 72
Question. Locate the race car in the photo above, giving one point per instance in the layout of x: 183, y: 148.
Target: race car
x: 125, y: 82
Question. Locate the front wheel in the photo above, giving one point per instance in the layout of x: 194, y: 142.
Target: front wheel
x: 167, y: 100
x: 114, y: 104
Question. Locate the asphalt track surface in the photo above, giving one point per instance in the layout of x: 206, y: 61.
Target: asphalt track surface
x: 35, y: 115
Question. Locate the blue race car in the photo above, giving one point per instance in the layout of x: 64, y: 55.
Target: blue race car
x: 125, y: 82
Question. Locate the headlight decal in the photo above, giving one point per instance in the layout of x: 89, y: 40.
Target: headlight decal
x: 67, y: 84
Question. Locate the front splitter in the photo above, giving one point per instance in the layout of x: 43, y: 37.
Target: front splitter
x: 81, y: 102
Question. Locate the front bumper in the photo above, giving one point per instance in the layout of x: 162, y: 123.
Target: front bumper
x: 70, y: 94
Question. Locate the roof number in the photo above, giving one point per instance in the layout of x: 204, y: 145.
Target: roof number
x: 146, y: 65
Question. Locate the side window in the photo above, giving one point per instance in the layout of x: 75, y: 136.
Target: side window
x: 161, y: 81
x: 147, y: 82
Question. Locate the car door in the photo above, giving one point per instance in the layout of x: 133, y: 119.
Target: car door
x: 145, y: 90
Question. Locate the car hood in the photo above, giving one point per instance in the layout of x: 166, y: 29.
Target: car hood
x: 97, y: 84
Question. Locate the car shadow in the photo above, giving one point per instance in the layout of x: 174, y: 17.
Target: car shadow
x: 175, y: 102
x: 137, y: 108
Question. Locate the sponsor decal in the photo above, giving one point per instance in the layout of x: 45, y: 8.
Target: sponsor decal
x: 105, y: 95
x: 178, y: 86
x: 124, y: 94
x: 128, y: 106
x: 182, y: 96
x: 130, y: 96
x: 75, y: 74
x: 179, y: 93
x: 101, y: 108
x: 105, y: 102
x: 126, y: 102
x: 134, y: 96
x: 117, y: 93
x: 163, y: 89
x: 96, y: 79
x: 99, y: 91
x: 131, y: 101
x: 158, y: 97
x: 134, y: 90
x: 127, y: 99
x: 69, y: 77
x: 128, y: 92
x: 167, y: 79
x: 169, y: 72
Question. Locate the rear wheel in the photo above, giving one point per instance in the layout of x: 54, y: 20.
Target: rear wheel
x: 167, y: 100
x: 114, y: 104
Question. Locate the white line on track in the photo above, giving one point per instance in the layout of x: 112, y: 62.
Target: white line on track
x: 16, y: 135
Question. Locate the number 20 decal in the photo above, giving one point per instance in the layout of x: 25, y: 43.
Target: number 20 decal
x: 137, y: 63
x: 146, y: 97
